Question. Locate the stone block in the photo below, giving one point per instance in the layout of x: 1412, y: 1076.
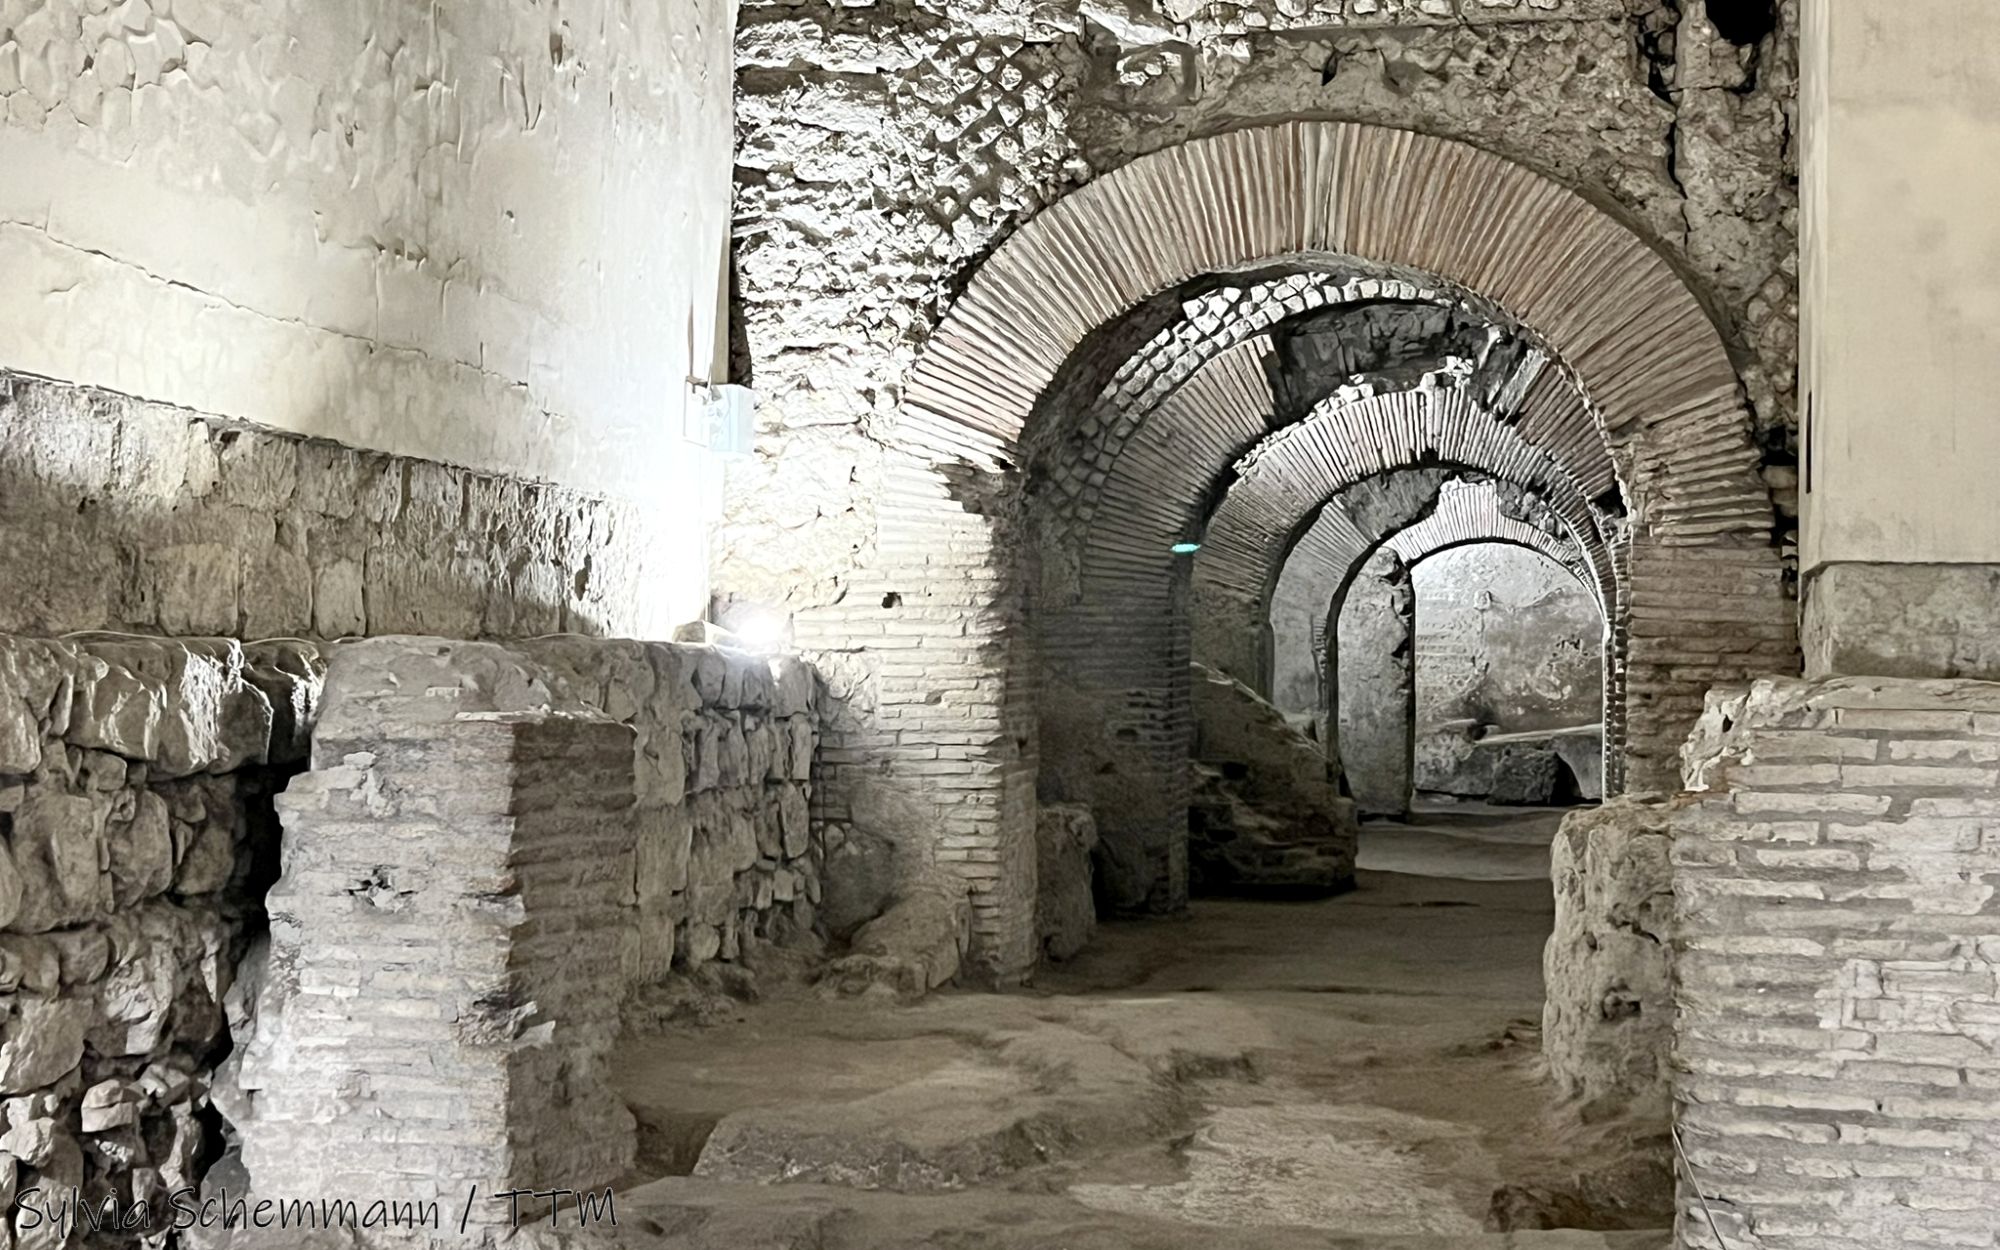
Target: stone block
x: 141, y: 850
x: 58, y: 845
x: 41, y: 1041
x: 1065, y: 905
x: 913, y: 947
x: 1607, y: 1026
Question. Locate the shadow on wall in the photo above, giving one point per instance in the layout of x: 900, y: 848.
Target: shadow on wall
x: 117, y: 513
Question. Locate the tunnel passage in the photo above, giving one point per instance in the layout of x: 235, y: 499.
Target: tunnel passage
x: 1110, y: 319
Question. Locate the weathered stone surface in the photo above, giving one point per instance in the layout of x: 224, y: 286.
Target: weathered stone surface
x: 1902, y: 620
x: 1608, y: 1025
x: 912, y: 948
x: 1265, y: 816
x: 298, y: 538
x: 10, y: 887
x: 40, y: 1042
x: 1065, y: 904
x: 1377, y: 686
x: 36, y: 686
x: 1836, y: 982
x: 862, y: 873
x: 150, y: 774
x: 58, y: 845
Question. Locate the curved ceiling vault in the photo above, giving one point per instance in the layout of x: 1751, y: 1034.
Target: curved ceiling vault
x: 1278, y: 496
x: 1652, y: 379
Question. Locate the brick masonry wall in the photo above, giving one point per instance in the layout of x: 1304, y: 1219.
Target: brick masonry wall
x: 607, y: 811
x: 136, y: 840
x: 1839, y: 1039
x: 887, y: 150
x: 116, y: 513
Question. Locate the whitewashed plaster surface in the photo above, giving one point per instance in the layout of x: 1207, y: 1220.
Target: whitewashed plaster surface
x: 486, y: 233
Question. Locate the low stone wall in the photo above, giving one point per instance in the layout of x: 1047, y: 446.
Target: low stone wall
x: 495, y: 845
x: 1608, y: 1021
x: 136, y: 778
x: 1839, y: 1012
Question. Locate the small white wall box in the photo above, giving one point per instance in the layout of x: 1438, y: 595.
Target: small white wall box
x: 722, y: 416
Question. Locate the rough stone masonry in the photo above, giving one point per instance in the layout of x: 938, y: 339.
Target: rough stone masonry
x: 136, y: 839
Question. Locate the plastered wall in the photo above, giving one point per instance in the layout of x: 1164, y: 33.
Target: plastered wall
x: 1506, y: 637
x: 485, y: 234
x: 1901, y: 253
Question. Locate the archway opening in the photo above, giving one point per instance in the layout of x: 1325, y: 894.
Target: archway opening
x: 1509, y: 678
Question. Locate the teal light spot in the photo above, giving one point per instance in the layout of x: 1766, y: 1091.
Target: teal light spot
x: 1186, y: 549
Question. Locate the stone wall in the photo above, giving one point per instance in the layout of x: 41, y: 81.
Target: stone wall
x: 136, y: 782
x: 117, y: 513
x: 1839, y: 1013
x: 1506, y: 638
x: 1508, y: 643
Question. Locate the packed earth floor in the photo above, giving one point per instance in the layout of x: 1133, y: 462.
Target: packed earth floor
x: 1359, y: 1071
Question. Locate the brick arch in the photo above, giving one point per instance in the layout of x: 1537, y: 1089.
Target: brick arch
x: 1648, y: 360
x: 1231, y: 333
x: 1282, y: 491
x: 1452, y: 527
x: 1468, y: 515
x: 1641, y: 371
x: 1305, y: 600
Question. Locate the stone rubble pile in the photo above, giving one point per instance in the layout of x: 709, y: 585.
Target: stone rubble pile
x: 1265, y: 814
x: 135, y: 802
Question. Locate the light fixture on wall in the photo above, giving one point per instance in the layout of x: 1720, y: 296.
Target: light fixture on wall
x: 1186, y: 549
x: 722, y: 417
x: 756, y: 627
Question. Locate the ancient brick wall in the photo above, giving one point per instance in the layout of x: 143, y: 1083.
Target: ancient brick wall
x: 911, y: 174
x: 121, y: 514
x: 495, y: 846
x: 136, y: 841
x: 885, y: 149
x: 1839, y: 1011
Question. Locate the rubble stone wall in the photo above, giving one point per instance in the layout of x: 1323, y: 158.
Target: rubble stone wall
x: 136, y: 840
x: 117, y: 513
x: 1839, y: 1010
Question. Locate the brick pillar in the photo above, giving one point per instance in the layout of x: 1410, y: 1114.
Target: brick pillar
x: 1838, y: 1048
x: 447, y: 964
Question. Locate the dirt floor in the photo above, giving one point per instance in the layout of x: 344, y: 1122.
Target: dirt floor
x: 1354, y: 1072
